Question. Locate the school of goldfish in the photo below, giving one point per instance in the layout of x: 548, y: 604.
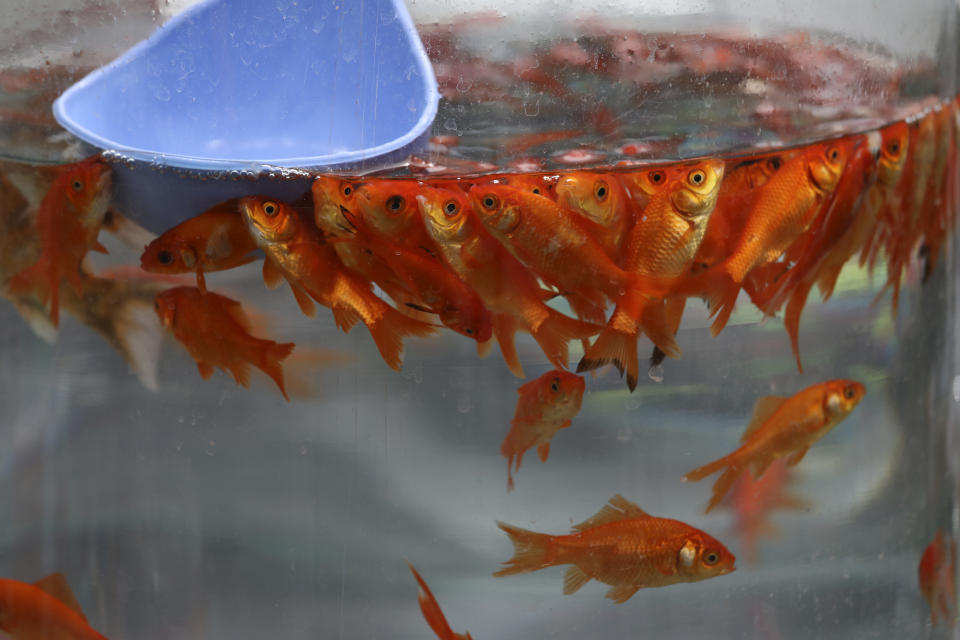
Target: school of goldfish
x: 487, y: 256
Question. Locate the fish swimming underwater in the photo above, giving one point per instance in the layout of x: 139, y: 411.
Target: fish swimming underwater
x: 44, y: 610
x: 937, y: 577
x: 623, y: 546
x: 783, y: 427
x: 432, y: 613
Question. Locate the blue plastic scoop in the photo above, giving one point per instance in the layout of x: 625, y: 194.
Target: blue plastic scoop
x: 232, y: 83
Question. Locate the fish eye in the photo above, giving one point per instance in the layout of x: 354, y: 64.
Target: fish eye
x: 833, y: 154
x: 697, y: 177
x: 394, y: 203
x: 346, y: 190
x: 555, y: 385
x: 165, y: 257
x: 849, y: 392
x: 711, y: 558
x: 77, y: 185
x: 536, y: 190
x: 490, y: 201
x: 270, y: 208
x: 600, y: 190
x: 657, y: 177
x: 894, y: 147
x: 774, y: 163
x: 451, y: 207
x: 468, y: 331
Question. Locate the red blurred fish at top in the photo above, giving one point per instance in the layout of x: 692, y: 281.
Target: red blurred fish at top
x: 783, y: 427
x: 44, y: 610
x: 545, y: 406
x: 937, y: 577
x: 432, y: 613
x: 68, y: 222
x: 623, y: 546
x: 216, y: 332
x: 215, y: 240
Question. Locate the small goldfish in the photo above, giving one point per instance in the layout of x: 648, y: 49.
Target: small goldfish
x: 432, y: 613
x: 623, y: 546
x: 600, y: 198
x: 937, y: 577
x: 44, y: 610
x: 389, y: 208
x: 216, y: 332
x: 545, y: 406
x: 68, y: 221
x: 783, y: 427
x: 215, y: 240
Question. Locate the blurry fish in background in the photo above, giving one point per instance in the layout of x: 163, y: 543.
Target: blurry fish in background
x: 432, y: 613
x: 44, y: 610
x: 545, y: 406
x: 783, y: 427
x: 937, y: 578
x: 623, y: 546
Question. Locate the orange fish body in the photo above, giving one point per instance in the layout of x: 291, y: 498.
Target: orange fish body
x: 215, y: 240
x: 545, y: 406
x: 536, y: 183
x: 600, y: 198
x: 216, y: 332
x: 504, y: 285
x: 389, y: 208
x: 936, y: 575
x: 432, y: 613
x: 784, y: 209
x: 661, y: 244
x: 783, y: 427
x: 68, y: 222
x: 296, y: 250
x: 622, y: 546
x: 45, y: 610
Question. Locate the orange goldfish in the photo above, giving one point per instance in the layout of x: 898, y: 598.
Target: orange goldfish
x: 623, y: 546
x: 216, y: 332
x: 937, y: 577
x: 784, y: 209
x: 389, y: 208
x: 783, y: 427
x: 216, y: 239
x: 545, y: 406
x: 68, y: 222
x: 537, y: 183
x: 432, y: 613
x: 297, y: 251
x: 601, y: 198
x: 680, y: 200
x: 44, y: 610
x: 507, y: 289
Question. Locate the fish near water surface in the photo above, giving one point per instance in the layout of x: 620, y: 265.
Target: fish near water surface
x: 544, y: 406
x: 622, y: 546
x: 783, y: 428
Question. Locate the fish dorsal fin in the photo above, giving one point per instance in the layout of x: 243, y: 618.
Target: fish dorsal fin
x: 761, y: 411
x: 56, y: 585
x: 618, y: 508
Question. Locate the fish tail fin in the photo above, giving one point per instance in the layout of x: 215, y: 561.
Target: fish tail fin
x: 721, y: 296
x: 827, y: 280
x: 555, y: 333
x: 389, y: 331
x: 38, y: 280
x: 791, y: 320
x: 700, y: 473
x: 270, y: 363
x: 505, y: 327
x: 531, y: 551
x: 722, y: 486
x: 430, y: 608
x: 615, y: 347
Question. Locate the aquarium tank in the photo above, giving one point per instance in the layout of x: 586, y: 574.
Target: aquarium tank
x: 291, y: 289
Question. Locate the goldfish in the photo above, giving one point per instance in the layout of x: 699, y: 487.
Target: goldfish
x: 600, y: 198
x: 297, y: 251
x: 68, y: 222
x: 216, y: 332
x: 389, y: 208
x: 44, y: 610
x: 785, y: 207
x: 622, y: 546
x: 536, y: 183
x: 432, y: 613
x: 680, y: 200
x: 216, y: 239
x: 507, y: 289
x: 783, y: 427
x: 937, y: 577
x: 545, y: 406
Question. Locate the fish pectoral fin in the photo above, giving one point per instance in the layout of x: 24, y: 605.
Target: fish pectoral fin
x: 797, y: 456
x: 618, y: 508
x: 763, y: 409
x: 622, y: 593
x: 272, y: 275
x: 543, y: 451
x: 665, y: 566
x: 303, y: 299
x: 573, y: 579
x: 56, y: 585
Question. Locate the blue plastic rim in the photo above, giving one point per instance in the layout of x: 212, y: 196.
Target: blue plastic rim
x: 234, y: 83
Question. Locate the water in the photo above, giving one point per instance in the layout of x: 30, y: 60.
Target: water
x: 179, y: 507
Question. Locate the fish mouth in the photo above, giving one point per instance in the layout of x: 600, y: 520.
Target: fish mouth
x: 692, y: 204
x: 821, y: 177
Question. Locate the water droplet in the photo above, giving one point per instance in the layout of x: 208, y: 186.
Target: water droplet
x: 632, y: 403
x: 656, y: 373
x: 463, y: 403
